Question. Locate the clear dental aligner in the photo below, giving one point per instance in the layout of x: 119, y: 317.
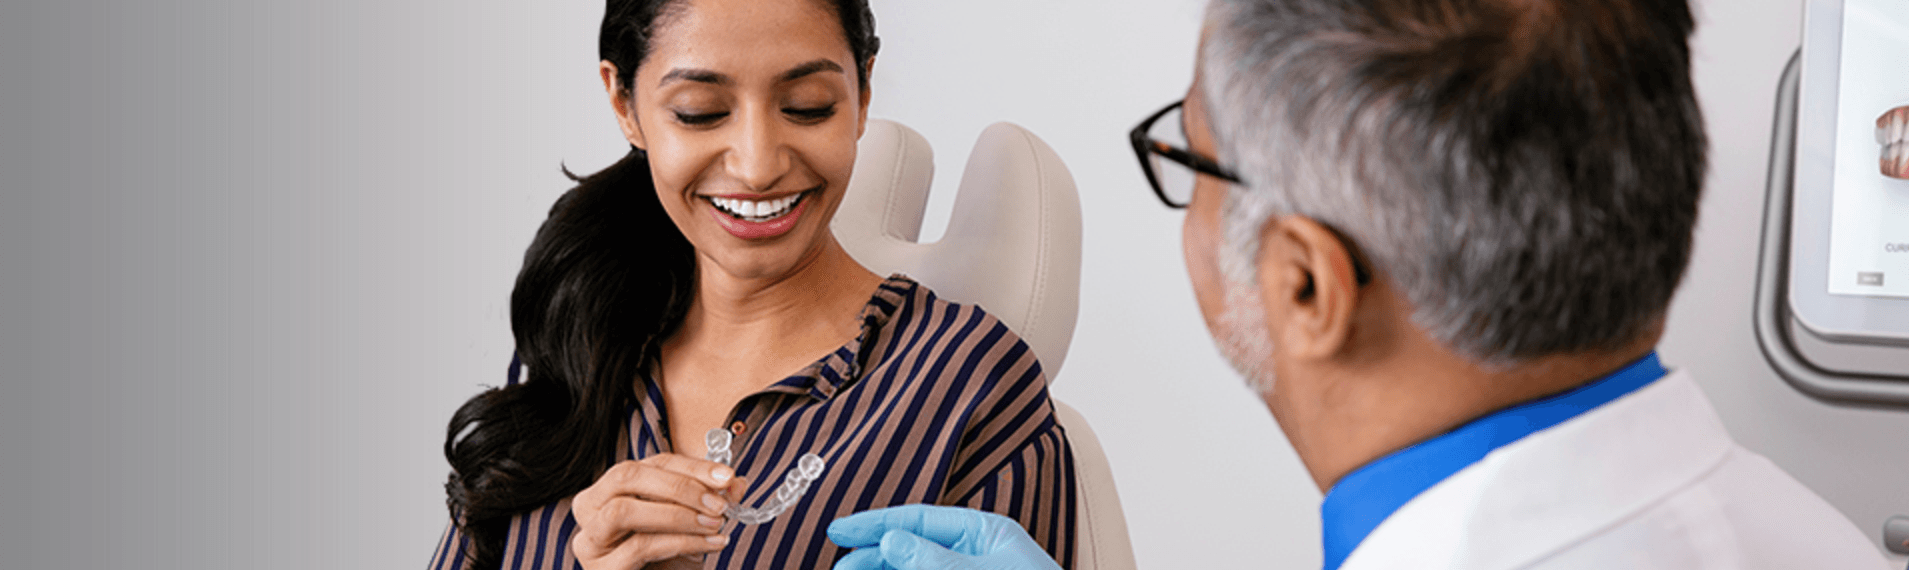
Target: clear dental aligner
x: 717, y: 441
x: 1892, y: 132
x: 807, y: 469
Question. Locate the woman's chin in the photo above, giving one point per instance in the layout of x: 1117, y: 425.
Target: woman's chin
x: 762, y: 259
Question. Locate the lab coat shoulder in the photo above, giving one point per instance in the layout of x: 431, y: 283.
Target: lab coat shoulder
x: 1650, y: 480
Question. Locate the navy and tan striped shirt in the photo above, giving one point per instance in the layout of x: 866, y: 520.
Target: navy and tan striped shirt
x: 935, y: 402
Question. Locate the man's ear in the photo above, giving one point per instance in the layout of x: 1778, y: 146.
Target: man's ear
x: 622, y: 104
x: 1307, y: 286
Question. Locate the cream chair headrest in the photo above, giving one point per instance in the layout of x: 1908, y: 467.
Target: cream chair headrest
x: 1013, y: 241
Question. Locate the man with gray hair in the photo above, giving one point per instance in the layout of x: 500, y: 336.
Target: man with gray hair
x: 1440, y: 239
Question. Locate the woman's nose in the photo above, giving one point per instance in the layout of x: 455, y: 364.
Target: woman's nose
x: 760, y: 155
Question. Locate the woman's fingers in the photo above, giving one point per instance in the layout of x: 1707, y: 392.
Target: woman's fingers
x: 684, y: 562
x: 693, y: 483
x: 661, y: 507
x: 662, y: 478
x: 737, y: 488
x: 712, y: 474
x: 624, y: 516
x: 638, y: 550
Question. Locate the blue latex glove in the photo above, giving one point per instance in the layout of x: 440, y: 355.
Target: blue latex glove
x: 927, y: 537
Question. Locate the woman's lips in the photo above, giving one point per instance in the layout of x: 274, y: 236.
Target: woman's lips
x: 1892, y: 131
x: 761, y: 229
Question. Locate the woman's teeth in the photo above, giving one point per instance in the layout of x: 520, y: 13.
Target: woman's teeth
x: 1892, y: 132
x: 757, y: 210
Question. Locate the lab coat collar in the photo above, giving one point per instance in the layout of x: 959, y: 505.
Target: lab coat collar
x: 1554, y: 488
x: 1363, y: 499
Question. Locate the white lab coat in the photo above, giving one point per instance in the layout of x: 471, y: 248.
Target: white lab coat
x: 1650, y: 480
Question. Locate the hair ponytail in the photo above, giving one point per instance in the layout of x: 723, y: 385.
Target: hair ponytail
x: 606, y: 280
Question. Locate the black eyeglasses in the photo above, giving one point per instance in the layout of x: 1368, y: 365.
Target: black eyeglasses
x: 1173, y: 183
x: 1173, y: 178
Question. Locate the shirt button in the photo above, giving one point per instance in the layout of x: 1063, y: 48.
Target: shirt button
x: 737, y: 428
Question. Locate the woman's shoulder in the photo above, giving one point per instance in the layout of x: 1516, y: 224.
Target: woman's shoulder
x: 915, y: 302
x: 919, y: 320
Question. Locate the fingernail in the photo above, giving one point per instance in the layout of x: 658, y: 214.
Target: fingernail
x: 718, y: 540
x: 897, y: 543
x: 709, y: 521
x: 722, y: 475
x: 713, y: 502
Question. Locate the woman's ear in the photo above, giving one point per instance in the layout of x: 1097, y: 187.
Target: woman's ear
x: 1306, y: 281
x: 862, y: 125
x: 622, y: 103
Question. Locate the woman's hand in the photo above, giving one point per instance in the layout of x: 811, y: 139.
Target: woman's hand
x: 661, y: 507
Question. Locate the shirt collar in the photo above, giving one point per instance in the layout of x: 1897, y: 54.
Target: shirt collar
x: 821, y: 379
x: 1366, y: 496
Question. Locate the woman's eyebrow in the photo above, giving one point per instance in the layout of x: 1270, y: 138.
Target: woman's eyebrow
x: 807, y: 69
x: 692, y: 74
x: 714, y: 78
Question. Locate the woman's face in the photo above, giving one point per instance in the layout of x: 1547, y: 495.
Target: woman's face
x: 750, y: 111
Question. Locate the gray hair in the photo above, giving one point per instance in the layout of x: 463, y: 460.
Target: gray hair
x: 1526, y: 172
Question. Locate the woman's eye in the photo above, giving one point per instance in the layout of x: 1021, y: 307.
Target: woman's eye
x: 699, y: 119
x: 810, y: 114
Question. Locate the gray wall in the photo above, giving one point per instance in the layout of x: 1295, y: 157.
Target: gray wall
x: 256, y: 252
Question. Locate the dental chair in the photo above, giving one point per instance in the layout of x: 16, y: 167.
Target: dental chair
x: 1012, y: 246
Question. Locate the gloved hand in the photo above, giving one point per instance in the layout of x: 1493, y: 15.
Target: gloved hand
x: 927, y: 537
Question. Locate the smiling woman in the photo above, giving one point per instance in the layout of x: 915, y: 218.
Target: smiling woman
x: 695, y: 285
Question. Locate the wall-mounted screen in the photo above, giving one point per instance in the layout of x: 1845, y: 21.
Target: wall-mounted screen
x: 1869, y: 215
x: 1849, y: 236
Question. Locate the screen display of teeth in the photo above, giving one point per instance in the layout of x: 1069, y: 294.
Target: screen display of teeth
x: 1869, y: 224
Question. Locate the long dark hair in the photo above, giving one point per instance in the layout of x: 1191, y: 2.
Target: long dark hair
x: 607, y: 279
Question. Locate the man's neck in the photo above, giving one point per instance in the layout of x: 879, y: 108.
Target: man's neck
x: 1357, y: 415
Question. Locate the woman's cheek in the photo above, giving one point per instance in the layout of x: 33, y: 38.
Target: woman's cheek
x: 838, y: 154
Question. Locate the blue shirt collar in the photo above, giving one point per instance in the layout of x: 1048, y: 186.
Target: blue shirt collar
x: 1366, y: 496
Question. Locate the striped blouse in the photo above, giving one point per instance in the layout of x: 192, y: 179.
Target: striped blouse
x: 935, y: 402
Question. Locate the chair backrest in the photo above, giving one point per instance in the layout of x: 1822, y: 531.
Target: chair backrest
x: 1013, y: 247
x: 1013, y: 242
